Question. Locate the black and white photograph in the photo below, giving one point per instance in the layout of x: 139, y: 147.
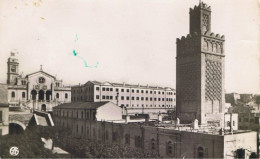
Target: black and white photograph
x: 130, y: 79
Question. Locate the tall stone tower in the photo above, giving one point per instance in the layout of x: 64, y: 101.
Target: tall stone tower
x: 12, y: 69
x: 200, y: 71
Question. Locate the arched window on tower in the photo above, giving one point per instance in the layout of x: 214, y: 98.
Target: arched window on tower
x: 169, y: 148
x: 200, y: 152
x: 153, y: 144
x: 66, y: 95
x: 57, y: 95
x: 13, y: 94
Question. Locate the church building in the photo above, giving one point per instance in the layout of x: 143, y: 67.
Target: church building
x: 37, y: 91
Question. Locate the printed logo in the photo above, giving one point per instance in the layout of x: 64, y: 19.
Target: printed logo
x: 14, y: 151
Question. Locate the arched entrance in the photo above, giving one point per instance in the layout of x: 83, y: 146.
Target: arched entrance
x: 33, y: 93
x: 43, y: 107
x: 41, y: 95
x: 16, y: 127
x: 48, y: 95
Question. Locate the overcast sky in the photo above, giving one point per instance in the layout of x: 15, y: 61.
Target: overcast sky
x: 134, y: 41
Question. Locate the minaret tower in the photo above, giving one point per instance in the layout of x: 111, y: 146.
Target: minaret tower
x: 200, y: 71
x: 12, y: 69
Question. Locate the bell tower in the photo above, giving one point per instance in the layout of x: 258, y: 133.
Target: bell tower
x: 200, y: 71
x: 12, y: 69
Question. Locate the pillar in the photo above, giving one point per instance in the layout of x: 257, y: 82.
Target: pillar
x: 44, y: 96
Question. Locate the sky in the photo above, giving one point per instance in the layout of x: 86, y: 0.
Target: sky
x: 131, y: 41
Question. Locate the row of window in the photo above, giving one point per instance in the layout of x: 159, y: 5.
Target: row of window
x: 80, y: 90
x: 23, y: 95
x: 133, y: 91
x: 133, y: 98
x: 127, y: 105
x: 87, y: 115
x: 13, y: 94
x: 252, y: 120
x: 23, y: 82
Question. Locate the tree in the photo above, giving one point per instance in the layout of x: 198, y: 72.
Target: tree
x: 253, y: 155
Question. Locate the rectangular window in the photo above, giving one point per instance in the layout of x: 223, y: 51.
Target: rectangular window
x: 103, y: 89
x: 137, y: 91
x: 127, y: 139
x: 133, y: 98
x: 137, y: 98
x: 97, y: 88
x: 138, y: 141
x: 94, y: 116
x: 162, y: 99
x: 97, y: 96
x: 159, y: 92
x: 142, y: 91
x: 122, y: 97
x: 154, y: 92
x: 107, y: 97
x: 155, y: 99
x: 256, y: 120
x: 142, y: 98
x: 114, y: 136
x: 111, y: 97
x: 103, y: 97
x: 116, y: 89
x: 151, y: 92
x: 122, y: 90
x: 146, y: 98
x: 111, y: 89
x: 23, y: 94
x: 127, y: 90
x: 1, y: 116
x: 151, y: 99
x: 159, y: 99
x: 162, y: 92
x: 127, y: 98
x: 107, y: 89
x: 146, y: 92
x: 133, y: 90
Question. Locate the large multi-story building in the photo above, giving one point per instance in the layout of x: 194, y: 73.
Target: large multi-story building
x: 38, y: 90
x: 200, y: 71
x: 134, y: 98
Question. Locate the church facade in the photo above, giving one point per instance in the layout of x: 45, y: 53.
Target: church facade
x: 37, y: 91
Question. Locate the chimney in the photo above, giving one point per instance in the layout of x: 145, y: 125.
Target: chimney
x: 160, y: 117
x: 231, y: 126
x: 178, y: 121
x: 147, y: 117
x: 195, y: 124
x: 127, y: 119
x: 221, y: 131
